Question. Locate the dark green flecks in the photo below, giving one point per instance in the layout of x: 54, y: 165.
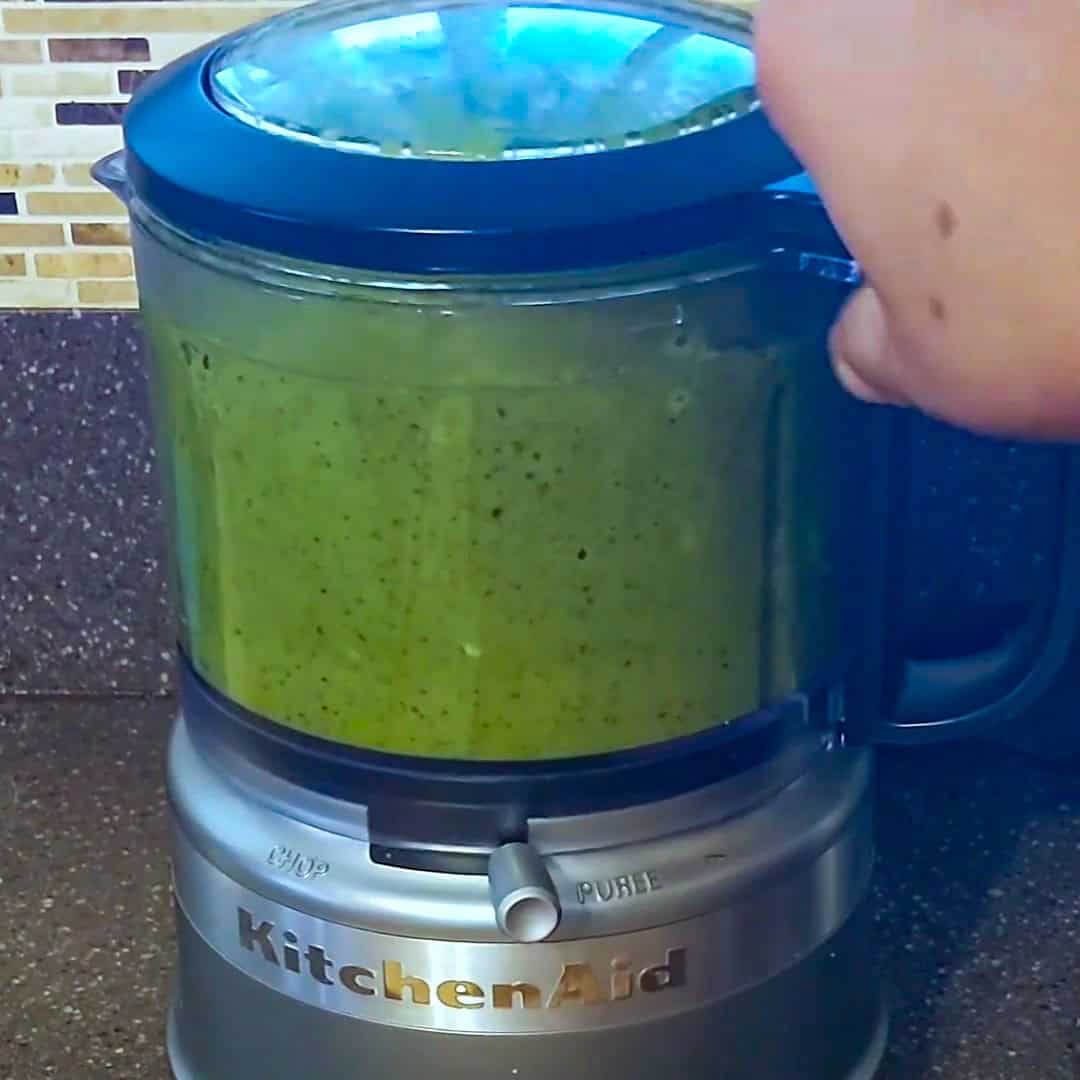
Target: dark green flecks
x: 505, y: 550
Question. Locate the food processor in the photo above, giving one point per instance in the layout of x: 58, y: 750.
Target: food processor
x: 532, y: 570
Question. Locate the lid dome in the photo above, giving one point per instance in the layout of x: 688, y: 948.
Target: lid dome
x: 478, y: 82
x: 462, y: 136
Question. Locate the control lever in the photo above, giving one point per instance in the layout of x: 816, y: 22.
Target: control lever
x: 526, y: 904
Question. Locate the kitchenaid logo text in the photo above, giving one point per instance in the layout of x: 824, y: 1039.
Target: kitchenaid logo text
x: 577, y: 984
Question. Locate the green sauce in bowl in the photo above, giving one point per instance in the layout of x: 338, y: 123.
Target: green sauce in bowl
x: 513, y: 533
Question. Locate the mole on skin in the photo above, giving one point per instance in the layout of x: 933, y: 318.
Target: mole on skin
x: 946, y: 220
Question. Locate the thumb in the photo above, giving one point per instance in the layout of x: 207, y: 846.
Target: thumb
x: 865, y: 355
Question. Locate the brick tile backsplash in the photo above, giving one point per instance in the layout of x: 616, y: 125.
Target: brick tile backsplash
x: 67, y: 70
x: 116, y: 294
x: 100, y: 235
x: 18, y: 115
x: 96, y: 113
x: 77, y: 175
x: 15, y: 176
x: 97, y: 264
x: 34, y: 292
x: 117, y: 18
x: 74, y: 203
x: 130, y: 81
x: 48, y: 84
x: 20, y: 52
x: 20, y: 235
x: 51, y: 144
x: 92, y: 50
x: 12, y: 265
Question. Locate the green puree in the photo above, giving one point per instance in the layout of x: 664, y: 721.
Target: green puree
x: 514, y: 533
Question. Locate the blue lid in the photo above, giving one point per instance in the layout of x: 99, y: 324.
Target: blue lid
x: 461, y: 136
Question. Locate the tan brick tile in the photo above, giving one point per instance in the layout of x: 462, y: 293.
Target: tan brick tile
x: 30, y: 292
x: 24, y: 115
x: 114, y: 18
x: 121, y: 294
x: 79, y: 176
x: 97, y: 264
x: 13, y: 175
x: 82, y: 204
x: 165, y: 48
x: 14, y: 51
x: 101, y: 235
x: 18, y: 234
x: 59, y: 83
x: 74, y: 143
x: 12, y: 265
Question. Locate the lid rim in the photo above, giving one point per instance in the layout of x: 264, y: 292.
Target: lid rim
x: 779, y: 218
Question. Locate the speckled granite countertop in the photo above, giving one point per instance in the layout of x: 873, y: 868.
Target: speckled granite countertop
x: 978, y: 899
x: 978, y: 891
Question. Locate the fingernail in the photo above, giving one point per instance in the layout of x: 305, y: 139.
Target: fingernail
x: 856, y: 385
x: 862, y: 351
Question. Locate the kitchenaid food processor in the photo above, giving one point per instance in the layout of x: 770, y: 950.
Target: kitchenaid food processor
x: 531, y: 567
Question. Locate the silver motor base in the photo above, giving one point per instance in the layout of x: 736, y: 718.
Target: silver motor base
x: 821, y: 1019
x: 739, y: 949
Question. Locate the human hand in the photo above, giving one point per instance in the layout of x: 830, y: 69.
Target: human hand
x: 944, y: 137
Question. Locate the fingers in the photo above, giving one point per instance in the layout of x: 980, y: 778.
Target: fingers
x: 942, y: 139
x: 977, y: 384
x: 863, y: 354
